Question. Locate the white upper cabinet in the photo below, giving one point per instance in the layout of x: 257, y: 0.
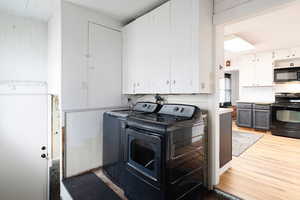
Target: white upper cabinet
x: 264, y: 69
x: 283, y: 54
x: 168, y: 50
x: 128, y: 64
x: 256, y: 70
x: 247, y: 69
x: 159, y: 71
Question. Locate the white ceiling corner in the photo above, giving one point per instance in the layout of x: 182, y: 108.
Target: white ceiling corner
x: 122, y: 10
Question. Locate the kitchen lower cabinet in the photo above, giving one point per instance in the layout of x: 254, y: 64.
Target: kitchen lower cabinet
x: 244, y: 115
x: 225, y: 138
x: 257, y: 116
x: 261, y: 117
x: 168, y: 50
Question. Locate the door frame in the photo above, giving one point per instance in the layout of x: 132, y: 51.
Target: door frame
x: 231, y: 15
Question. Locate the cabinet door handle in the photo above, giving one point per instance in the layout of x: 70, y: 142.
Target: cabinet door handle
x: 168, y: 82
x: 174, y: 82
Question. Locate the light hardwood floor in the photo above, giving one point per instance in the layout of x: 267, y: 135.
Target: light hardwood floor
x: 269, y: 170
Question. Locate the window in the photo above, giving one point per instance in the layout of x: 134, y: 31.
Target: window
x: 225, y: 91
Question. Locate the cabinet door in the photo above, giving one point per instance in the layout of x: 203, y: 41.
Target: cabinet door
x: 104, y: 67
x: 295, y: 52
x: 225, y: 139
x: 184, y: 68
x: 263, y: 69
x: 160, y: 50
x: 247, y: 69
x: 143, y: 54
x: 261, y: 119
x: 244, y: 117
x: 128, y: 59
x: 282, y: 54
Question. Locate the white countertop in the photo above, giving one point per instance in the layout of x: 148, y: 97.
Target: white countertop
x: 225, y: 110
x: 256, y: 102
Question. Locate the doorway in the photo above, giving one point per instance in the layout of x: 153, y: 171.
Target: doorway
x: 268, y: 168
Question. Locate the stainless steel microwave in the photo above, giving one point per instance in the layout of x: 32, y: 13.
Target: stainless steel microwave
x: 289, y: 74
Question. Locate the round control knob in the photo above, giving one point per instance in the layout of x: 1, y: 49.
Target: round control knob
x: 176, y: 109
x: 182, y: 109
x: 43, y: 155
x: 145, y: 105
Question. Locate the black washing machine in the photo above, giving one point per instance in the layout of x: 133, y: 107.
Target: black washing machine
x: 114, y: 123
x: 165, y: 153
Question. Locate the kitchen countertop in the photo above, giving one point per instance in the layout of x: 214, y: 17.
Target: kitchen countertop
x: 256, y: 102
x: 225, y: 110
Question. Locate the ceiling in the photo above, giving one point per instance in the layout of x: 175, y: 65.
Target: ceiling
x: 277, y: 29
x: 38, y: 9
x: 122, y: 10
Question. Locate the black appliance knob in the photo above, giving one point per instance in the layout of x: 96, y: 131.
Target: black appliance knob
x: 145, y: 105
x: 182, y: 109
x: 43, y: 148
x: 176, y: 109
x: 43, y: 155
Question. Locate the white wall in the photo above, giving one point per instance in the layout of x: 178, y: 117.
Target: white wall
x: 54, y: 49
x: 23, y: 49
x: 83, y: 125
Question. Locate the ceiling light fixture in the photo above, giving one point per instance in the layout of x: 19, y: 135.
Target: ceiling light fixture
x: 234, y: 43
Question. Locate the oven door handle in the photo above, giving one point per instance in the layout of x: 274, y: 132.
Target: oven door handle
x: 140, y: 171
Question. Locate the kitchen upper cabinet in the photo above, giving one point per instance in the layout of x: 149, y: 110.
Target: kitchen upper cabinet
x: 183, y: 63
x: 160, y: 50
x: 168, y: 50
x: 263, y: 75
x: 128, y: 64
x: 247, y: 69
x: 256, y: 70
x: 146, y: 53
x: 283, y: 54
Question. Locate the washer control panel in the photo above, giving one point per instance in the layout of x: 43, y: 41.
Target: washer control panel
x: 145, y: 107
x: 178, y: 110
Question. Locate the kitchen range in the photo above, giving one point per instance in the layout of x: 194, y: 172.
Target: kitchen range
x: 156, y: 151
x: 286, y: 115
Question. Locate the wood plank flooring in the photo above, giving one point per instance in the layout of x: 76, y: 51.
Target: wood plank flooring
x: 269, y: 170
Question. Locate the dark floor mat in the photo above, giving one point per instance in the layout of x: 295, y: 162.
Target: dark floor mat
x: 54, y: 181
x: 204, y: 194
x: 89, y: 187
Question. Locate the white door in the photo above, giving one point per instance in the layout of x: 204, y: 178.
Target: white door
x: 104, y: 67
x: 183, y: 68
x: 23, y: 133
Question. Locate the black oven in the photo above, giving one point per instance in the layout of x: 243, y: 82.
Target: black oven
x: 286, y: 115
x: 287, y: 74
x: 144, y: 154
